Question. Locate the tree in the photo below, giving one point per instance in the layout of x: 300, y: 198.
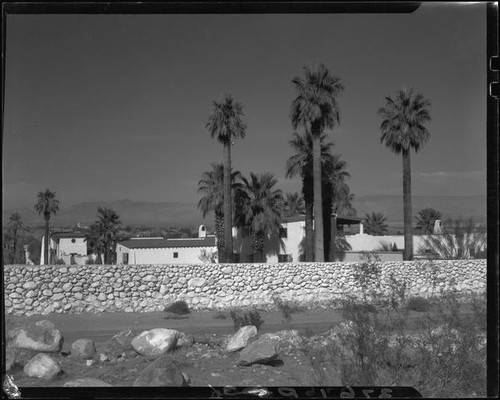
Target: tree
x: 95, y: 243
x: 108, y: 223
x: 374, y: 224
x: 293, y: 204
x: 211, y: 186
x: 226, y: 123
x: 259, y: 210
x: 46, y: 205
x: 316, y: 109
x: 426, y: 219
x: 460, y: 240
x: 403, y: 128
x: 13, y: 251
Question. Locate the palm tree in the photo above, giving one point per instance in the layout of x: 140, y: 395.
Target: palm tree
x: 12, y: 239
x: 108, y: 223
x: 259, y: 210
x: 342, y: 200
x: 426, y: 218
x: 211, y: 186
x: 46, y: 205
x: 403, y: 128
x: 293, y: 204
x: 374, y: 224
x: 333, y: 175
x: 226, y: 123
x: 316, y: 109
x: 94, y: 242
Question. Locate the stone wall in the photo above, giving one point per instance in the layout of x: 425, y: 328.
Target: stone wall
x: 147, y: 288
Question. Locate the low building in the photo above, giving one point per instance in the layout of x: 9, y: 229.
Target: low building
x: 157, y: 250
x: 69, y: 247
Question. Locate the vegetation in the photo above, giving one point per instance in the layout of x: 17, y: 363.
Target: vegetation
x: 426, y: 219
x: 12, y: 248
x: 258, y: 206
x: 241, y: 318
x: 403, y: 128
x: 179, y: 307
x: 374, y: 224
x: 418, y: 304
x: 105, y: 234
x: 46, y: 205
x: 226, y: 123
x: 460, y: 239
x: 315, y: 109
x: 293, y: 205
x: 211, y: 186
x: 286, y: 308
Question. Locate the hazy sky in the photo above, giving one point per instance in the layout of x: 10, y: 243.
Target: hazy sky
x: 108, y: 107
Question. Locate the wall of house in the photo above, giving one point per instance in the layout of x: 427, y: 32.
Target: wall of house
x: 66, y: 247
x: 33, y: 290
x: 186, y: 255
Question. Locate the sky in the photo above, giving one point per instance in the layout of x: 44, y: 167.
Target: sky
x: 110, y: 107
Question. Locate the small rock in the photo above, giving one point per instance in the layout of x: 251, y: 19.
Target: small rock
x: 86, y: 382
x: 241, y: 337
x: 164, y: 371
x: 42, y: 366
x: 103, y: 357
x: 83, y: 348
x: 185, y: 340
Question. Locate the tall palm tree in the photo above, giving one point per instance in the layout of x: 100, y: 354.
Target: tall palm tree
x: 316, y: 109
x: 46, y: 205
x: 95, y: 242
x: 211, y: 186
x: 426, y: 218
x: 374, y: 224
x: 293, y: 204
x: 259, y: 210
x: 226, y: 123
x: 108, y: 222
x: 403, y: 128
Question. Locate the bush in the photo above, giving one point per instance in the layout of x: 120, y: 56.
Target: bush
x: 417, y: 304
x: 179, y: 307
x: 251, y: 317
x: 287, y: 308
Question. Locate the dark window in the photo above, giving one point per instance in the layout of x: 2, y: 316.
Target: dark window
x: 284, y: 258
x: 236, y: 257
x: 176, y: 255
x: 283, y: 232
x: 73, y: 240
x: 125, y: 258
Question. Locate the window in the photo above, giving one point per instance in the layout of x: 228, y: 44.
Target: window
x: 73, y: 240
x: 283, y: 232
x: 176, y: 255
x: 125, y: 258
x: 284, y: 258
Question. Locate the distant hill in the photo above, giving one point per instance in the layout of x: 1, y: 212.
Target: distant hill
x: 136, y: 213
x: 449, y: 206
x: 157, y: 214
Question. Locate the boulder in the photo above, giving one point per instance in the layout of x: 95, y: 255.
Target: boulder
x: 155, y: 342
x: 22, y: 356
x: 241, y: 338
x: 164, y: 371
x: 42, y: 366
x: 86, y: 382
x: 83, y: 348
x: 261, y: 351
x: 40, y: 336
x: 118, y: 344
x: 185, y: 340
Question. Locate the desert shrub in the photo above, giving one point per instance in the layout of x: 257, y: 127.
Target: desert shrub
x: 179, y: 307
x: 417, y: 304
x: 287, y: 308
x: 251, y: 317
x: 59, y: 261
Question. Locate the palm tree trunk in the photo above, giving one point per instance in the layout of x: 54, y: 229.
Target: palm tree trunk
x: 227, y: 204
x: 408, y: 235
x: 219, y: 234
x: 46, y: 244
x: 308, y: 201
x: 319, y: 255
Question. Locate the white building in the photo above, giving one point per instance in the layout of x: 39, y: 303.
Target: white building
x: 158, y: 250
x: 70, y: 247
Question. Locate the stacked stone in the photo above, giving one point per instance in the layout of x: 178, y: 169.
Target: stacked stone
x: 148, y: 288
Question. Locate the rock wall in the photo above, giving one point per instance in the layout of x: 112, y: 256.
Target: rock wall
x: 37, y: 289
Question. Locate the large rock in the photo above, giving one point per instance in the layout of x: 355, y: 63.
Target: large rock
x: 86, y: 382
x: 261, y: 351
x: 118, y: 344
x: 42, y: 366
x: 241, y: 338
x: 164, y: 371
x: 83, y: 348
x: 155, y: 342
x: 40, y: 336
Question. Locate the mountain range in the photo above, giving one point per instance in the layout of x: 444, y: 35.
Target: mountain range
x: 163, y: 214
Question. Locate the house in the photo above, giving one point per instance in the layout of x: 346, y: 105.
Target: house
x: 69, y: 247
x: 157, y: 250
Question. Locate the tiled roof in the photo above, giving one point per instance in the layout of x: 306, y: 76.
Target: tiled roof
x: 209, y: 241
x: 340, y: 219
x: 67, y: 235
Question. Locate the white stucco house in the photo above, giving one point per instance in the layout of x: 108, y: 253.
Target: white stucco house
x: 70, y: 247
x: 157, y: 250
